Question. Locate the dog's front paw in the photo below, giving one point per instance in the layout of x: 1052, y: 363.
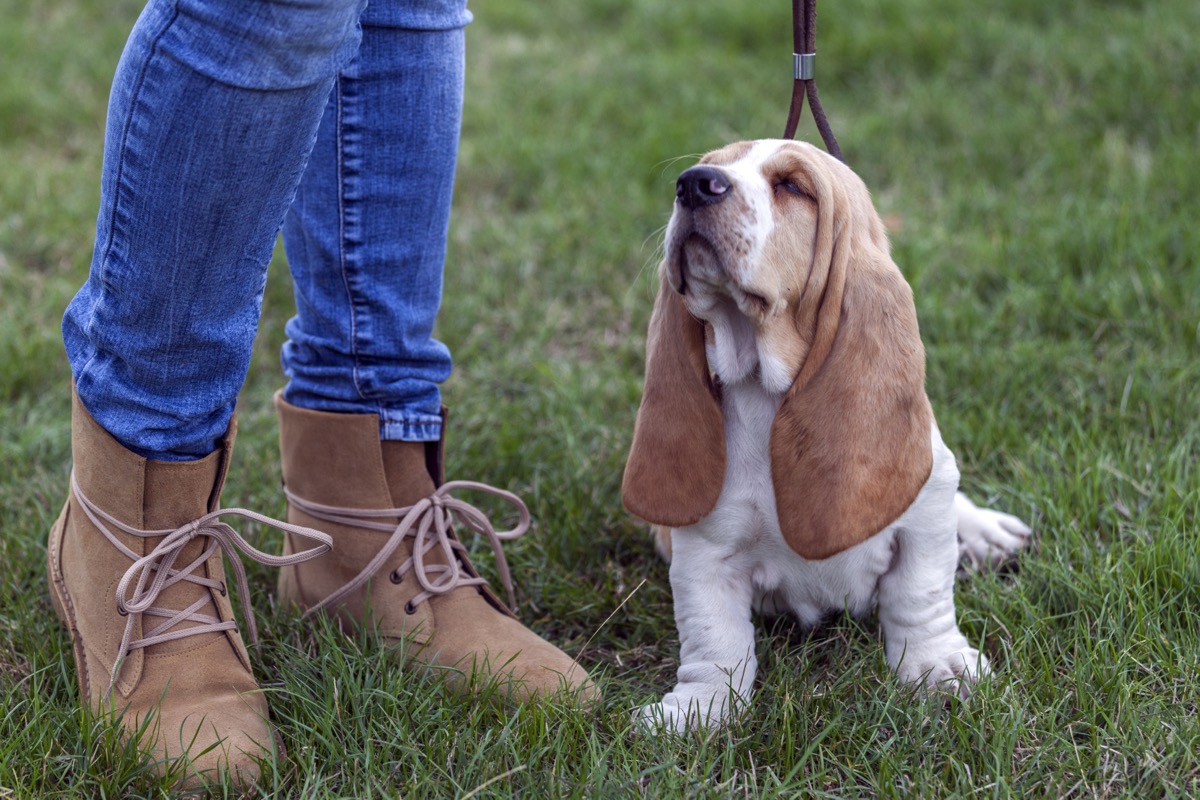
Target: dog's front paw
x: 987, y: 538
x: 955, y: 671
x: 690, y: 707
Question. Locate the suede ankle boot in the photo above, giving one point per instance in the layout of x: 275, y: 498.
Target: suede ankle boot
x: 137, y: 576
x: 397, y: 566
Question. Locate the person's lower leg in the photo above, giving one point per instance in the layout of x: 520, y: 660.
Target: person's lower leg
x: 366, y: 237
x: 213, y: 112
x: 214, y: 109
x: 366, y: 241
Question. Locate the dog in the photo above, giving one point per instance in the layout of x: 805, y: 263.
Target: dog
x: 784, y: 445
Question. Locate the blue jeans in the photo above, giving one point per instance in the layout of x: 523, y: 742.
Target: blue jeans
x: 230, y: 120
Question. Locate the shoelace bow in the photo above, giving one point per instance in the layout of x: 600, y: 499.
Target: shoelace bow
x: 428, y: 522
x: 154, y: 572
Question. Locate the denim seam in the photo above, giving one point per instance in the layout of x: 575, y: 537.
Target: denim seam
x: 343, y: 255
x: 133, y: 101
x: 134, y: 98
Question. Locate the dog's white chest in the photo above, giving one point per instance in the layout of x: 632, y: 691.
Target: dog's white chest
x: 743, y: 529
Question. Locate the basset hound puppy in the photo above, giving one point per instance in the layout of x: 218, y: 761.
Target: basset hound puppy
x: 784, y: 446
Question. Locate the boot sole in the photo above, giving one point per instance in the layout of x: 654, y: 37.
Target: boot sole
x: 60, y: 599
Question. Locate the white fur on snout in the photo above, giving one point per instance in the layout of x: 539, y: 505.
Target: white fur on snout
x: 746, y: 178
x: 719, y: 245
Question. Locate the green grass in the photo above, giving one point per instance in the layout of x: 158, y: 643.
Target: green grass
x: 1040, y: 163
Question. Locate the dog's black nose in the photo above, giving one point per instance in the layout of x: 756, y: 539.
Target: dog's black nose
x: 701, y: 186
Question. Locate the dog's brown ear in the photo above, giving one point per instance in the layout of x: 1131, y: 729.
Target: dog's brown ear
x: 676, y: 466
x: 850, y: 445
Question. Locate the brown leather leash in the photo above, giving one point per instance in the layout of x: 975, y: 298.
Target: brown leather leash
x: 804, y: 55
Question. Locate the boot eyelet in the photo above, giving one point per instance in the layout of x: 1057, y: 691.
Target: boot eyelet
x: 121, y: 610
x: 223, y: 590
x: 409, y: 608
x: 395, y: 577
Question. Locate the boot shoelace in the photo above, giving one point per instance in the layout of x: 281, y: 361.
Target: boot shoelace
x: 154, y: 572
x: 428, y: 522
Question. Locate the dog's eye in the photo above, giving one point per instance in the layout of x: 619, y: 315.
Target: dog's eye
x: 786, y: 185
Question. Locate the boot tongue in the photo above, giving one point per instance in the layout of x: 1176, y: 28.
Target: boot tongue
x: 406, y: 471
x: 176, y: 494
x: 408, y: 479
x: 407, y: 468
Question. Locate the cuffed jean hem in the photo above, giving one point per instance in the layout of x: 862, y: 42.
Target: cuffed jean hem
x: 413, y: 422
x: 424, y: 429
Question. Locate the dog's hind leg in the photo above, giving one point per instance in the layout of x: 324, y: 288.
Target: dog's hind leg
x: 987, y: 538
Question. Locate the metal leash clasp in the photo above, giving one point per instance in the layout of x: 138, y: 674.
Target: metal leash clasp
x: 804, y: 66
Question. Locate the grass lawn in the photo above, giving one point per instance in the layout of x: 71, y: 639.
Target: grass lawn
x: 1038, y: 165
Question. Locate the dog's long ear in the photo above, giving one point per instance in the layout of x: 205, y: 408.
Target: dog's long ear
x: 850, y: 445
x: 676, y: 466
